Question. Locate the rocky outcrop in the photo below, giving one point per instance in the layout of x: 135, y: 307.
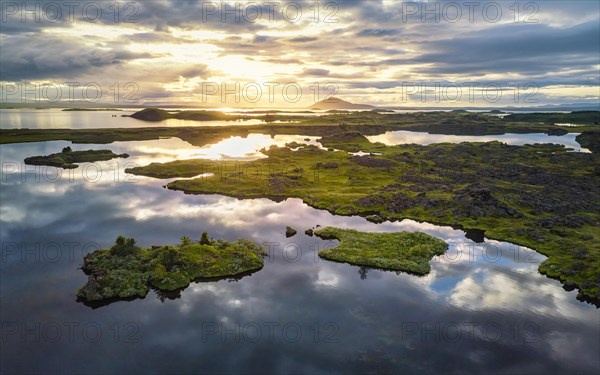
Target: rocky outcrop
x: 370, y: 161
x: 477, y: 201
x: 290, y: 232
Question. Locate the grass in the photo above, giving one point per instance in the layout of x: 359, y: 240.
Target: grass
x: 400, y: 251
x: 126, y: 271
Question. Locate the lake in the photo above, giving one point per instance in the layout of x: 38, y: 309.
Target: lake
x: 484, y: 307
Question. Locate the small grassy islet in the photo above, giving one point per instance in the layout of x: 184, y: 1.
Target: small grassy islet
x: 397, y: 251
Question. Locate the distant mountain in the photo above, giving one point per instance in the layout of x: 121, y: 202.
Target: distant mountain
x: 337, y: 103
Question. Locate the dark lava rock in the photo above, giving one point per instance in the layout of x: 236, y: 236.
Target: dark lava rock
x: 370, y: 161
x: 569, y: 221
x: 556, y: 131
x: 375, y: 219
x: 589, y: 140
x: 399, y: 202
x: 476, y: 201
x: 281, y: 183
x: 475, y: 235
x: 370, y: 201
x: 290, y: 232
x: 327, y: 165
x: 309, y: 232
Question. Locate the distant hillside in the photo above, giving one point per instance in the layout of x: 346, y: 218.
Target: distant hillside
x: 156, y: 114
x: 576, y: 117
x: 336, y: 103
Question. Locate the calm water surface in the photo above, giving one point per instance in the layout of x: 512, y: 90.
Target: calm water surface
x: 484, y: 308
x: 57, y: 118
x: 406, y: 137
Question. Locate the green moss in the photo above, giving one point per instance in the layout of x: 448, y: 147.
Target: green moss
x: 67, y: 159
x: 539, y: 196
x: 127, y: 271
x: 401, y: 251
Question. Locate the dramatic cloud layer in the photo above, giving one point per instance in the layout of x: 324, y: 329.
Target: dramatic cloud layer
x: 228, y: 53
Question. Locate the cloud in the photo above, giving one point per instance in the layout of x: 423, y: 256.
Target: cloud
x: 315, y: 72
x: 303, y: 39
x: 378, y: 32
x: 53, y: 57
x: 371, y: 45
x: 523, y: 49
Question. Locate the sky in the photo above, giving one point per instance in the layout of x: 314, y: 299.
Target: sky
x: 295, y: 53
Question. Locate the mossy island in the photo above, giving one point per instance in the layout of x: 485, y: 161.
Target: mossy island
x: 396, y: 251
x: 156, y: 114
x: 68, y: 159
x: 126, y: 271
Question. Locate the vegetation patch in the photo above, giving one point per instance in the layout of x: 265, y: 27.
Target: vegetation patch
x: 540, y: 196
x: 68, y: 158
x: 126, y: 271
x: 398, y: 251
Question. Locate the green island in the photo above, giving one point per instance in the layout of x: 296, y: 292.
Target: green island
x: 540, y: 196
x: 126, y: 271
x: 68, y: 159
x: 399, y: 251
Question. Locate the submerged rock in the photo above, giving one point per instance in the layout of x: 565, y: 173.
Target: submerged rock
x: 290, y: 232
x: 375, y: 219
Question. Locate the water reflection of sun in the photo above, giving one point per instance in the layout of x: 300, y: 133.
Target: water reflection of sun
x: 247, y: 148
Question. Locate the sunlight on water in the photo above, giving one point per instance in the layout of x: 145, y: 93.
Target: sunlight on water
x: 236, y: 148
x: 407, y: 137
